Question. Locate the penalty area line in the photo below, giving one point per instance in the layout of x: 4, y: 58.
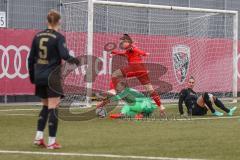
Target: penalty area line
x: 91, y: 155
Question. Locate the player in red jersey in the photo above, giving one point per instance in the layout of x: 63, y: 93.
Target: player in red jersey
x: 135, y: 68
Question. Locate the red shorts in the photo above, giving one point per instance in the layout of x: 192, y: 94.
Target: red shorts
x: 137, y: 70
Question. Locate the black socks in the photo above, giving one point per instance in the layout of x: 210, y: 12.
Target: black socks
x: 53, y: 122
x: 42, y: 120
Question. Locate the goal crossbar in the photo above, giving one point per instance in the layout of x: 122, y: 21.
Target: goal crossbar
x: 166, y: 7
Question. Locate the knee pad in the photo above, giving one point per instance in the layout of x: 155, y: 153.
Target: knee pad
x: 211, y: 97
x: 208, y: 97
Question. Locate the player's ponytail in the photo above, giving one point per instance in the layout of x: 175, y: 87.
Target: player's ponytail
x: 53, y: 17
x: 191, y: 77
x: 126, y: 37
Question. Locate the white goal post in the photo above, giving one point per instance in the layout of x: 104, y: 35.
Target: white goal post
x: 234, y: 14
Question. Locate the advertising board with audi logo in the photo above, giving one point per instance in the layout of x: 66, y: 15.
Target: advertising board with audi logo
x: 171, y: 53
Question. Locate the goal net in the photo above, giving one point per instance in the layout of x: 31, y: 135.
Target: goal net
x: 182, y: 42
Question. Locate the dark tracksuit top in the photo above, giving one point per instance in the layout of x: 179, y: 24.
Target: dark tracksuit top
x: 47, y: 51
x: 189, y: 97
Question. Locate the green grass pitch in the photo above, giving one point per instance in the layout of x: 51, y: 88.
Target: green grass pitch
x: 209, y: 138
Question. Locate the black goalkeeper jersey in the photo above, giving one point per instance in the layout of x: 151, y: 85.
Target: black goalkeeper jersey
x: 189, y: 97
x: 47, y: 51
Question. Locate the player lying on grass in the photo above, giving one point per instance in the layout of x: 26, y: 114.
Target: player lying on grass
x: 199, y: 105
x: 47, y: 51
x: 135, y: 68
x: 136, y: 103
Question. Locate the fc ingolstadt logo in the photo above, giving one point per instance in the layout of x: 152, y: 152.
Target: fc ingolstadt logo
x: 181, y: 61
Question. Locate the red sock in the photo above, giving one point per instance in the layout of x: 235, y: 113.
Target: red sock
x: 154, y: 95
x: 111, y: 85
x: 116, y: 115
x: 114, y: 82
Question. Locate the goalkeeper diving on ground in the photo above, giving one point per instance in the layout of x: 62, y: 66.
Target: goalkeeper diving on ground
x: 137, y: 105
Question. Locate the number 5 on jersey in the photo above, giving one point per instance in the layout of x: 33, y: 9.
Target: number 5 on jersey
x: 43, y: 51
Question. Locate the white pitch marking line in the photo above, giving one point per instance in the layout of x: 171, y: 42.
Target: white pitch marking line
x: 92, y: 155
x: 185, y: 119
x: 19, y: 115
x: 210, y: 118
x: 8, y: 110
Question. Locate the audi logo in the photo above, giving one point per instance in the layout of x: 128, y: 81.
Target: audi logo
x: 17, y: 62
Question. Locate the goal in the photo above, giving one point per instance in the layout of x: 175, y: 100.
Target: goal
x: 182, y: 42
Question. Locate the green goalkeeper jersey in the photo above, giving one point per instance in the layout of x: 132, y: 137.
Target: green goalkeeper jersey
x: 137, y: 102
x: 130, y: 94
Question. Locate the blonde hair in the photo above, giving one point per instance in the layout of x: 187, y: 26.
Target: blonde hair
x: 53, y: 17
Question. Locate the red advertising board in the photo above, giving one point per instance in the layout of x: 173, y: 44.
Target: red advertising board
x: 208, y: 60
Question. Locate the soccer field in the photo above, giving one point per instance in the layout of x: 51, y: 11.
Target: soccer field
x: 120, y: 52
x: 198, y: 138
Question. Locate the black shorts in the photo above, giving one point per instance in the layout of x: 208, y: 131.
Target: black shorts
x: 46, y: 92
x: 199, y: 111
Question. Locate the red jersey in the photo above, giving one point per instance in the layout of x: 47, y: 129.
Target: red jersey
x: 133, y: 54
